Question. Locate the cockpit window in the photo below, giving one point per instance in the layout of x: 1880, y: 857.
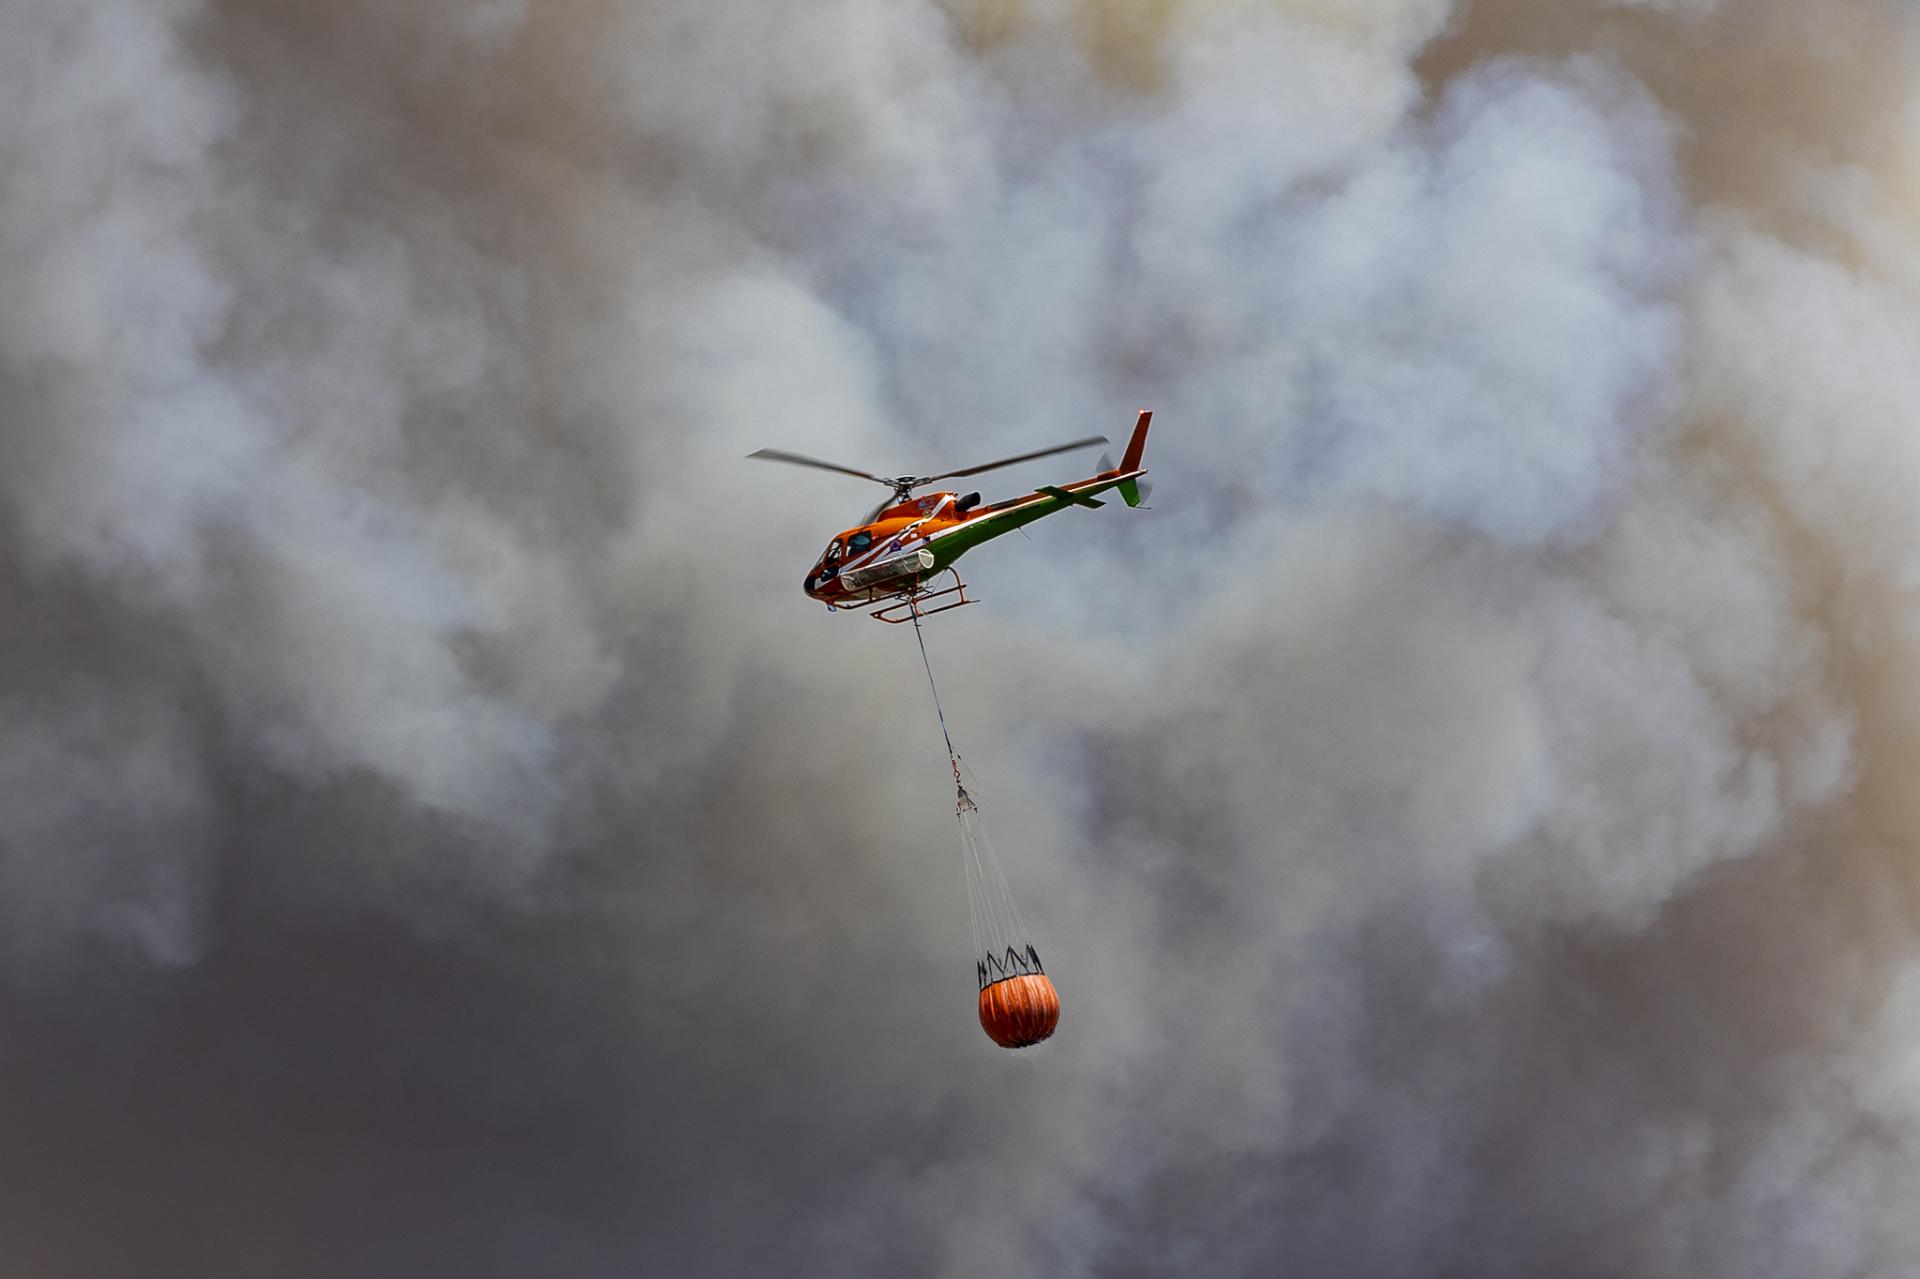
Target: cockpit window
x: 833, y: 551
x: 860, y: 541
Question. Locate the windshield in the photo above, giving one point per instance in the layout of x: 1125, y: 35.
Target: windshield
x: 830, y: 559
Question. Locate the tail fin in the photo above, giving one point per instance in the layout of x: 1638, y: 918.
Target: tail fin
x: 1134, y: 491
x: 1138, y: 444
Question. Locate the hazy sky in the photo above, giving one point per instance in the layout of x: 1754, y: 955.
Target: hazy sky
x: 1470, y: 818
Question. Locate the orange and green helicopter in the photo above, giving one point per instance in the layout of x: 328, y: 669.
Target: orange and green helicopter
x: 893, y: 555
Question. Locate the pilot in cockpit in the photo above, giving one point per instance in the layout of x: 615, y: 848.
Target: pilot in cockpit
x: 828, y: 566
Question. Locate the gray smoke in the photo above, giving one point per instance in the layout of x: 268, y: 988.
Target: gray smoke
x: 1468, y: 819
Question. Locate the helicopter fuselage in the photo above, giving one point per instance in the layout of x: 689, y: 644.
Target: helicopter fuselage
x: 911, y: 541
x: 859, y: 561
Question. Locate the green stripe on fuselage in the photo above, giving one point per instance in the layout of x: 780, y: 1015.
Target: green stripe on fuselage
x: 952, y: 544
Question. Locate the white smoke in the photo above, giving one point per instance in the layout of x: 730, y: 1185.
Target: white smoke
x: 1467, y: 819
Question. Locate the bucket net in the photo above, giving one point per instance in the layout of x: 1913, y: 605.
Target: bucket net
x: 1001, y: 944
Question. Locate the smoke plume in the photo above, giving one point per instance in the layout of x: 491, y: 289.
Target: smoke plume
x: 1469, y: 818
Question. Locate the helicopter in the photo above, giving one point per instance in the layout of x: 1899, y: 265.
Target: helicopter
x: 893, y: 556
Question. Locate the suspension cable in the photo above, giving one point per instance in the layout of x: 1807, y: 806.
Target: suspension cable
x: 998, y: 930
x: 953, y: 756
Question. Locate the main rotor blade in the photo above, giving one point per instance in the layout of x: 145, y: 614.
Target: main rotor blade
x: 1089, y: 442
x: 796, y: 459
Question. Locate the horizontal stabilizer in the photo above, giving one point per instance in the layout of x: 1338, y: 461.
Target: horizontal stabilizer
x: 1078, y: 499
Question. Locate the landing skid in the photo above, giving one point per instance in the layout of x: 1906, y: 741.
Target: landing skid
x: 911, y: 604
